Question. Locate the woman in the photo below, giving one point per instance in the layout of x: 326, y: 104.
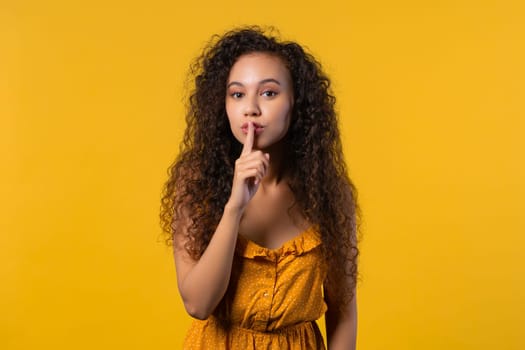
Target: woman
x: 261, y: 213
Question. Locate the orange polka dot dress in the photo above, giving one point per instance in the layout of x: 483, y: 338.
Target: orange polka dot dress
x: 272, y: 302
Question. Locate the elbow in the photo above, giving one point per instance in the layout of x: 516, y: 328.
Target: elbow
x: 198, y: 314
x: 197, y: 310
x: 198, y: 305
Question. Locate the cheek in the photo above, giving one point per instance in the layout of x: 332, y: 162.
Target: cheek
x: 235, y: 130
x: 285, y: 113
x: 229, y: 113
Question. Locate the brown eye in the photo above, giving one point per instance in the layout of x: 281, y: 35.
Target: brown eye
x: 269, y: 93
x: 237, y: 94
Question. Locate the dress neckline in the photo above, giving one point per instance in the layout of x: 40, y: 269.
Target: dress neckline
x: 305, y: 241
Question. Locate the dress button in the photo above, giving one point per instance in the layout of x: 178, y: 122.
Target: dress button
x: 265, y: 294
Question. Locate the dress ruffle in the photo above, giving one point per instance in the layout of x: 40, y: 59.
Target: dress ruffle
x: 306, y: 241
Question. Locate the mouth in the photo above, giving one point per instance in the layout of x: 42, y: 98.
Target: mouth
x: 258, y: 128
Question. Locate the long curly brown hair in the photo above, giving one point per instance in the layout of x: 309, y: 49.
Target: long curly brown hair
x: 200, y: 178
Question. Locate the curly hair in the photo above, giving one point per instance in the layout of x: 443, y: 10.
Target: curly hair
x: 200, y: 178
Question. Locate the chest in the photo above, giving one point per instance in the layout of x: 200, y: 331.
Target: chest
x: 272, y: 218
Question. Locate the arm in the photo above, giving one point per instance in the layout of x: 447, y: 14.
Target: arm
x: 341, y: 329
x: 203, y: 283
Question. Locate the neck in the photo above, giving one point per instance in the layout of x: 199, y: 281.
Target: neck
x: 277, y: 170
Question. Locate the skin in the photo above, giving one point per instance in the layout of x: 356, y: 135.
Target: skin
x: 259, y: 91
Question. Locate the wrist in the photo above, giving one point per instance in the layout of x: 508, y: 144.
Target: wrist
x: 233, y: 209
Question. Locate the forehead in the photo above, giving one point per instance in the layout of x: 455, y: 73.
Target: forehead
x: 259, y: 66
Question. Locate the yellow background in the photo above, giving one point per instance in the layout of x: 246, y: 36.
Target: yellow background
x: 431, y: 98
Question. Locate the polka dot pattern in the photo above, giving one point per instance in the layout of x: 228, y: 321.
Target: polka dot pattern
x: 273, y: 299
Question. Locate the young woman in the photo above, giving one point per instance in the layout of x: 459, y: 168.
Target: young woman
x: 258, y: 205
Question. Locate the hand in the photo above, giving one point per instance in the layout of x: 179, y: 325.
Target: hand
x: 250, y: 168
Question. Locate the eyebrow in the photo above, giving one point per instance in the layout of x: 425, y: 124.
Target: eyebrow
x: 269, y: 80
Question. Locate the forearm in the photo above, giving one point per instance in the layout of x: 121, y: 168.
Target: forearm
x: 206, y: 283
x: 203, y: 283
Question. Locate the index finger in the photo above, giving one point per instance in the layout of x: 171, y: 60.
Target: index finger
x: 248, y: 142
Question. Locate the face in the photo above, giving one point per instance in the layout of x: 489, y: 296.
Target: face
x: 259, y: 89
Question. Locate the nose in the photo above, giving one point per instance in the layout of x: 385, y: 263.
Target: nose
x: 251, y: 108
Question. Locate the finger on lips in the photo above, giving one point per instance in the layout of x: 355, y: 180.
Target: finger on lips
x: 257, y: 161
x: 248, y: 143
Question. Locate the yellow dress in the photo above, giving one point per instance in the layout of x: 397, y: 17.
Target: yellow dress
x: 272, y: 302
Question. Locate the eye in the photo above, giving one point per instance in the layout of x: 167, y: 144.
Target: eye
x: 236, y: 94
x: 269, y: 93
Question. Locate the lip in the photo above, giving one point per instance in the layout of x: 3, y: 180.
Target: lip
x: 258, y: 128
